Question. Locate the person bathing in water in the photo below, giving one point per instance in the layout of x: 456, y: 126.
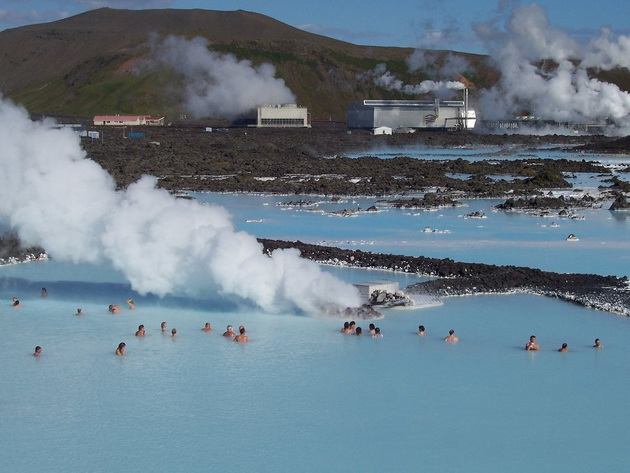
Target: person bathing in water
x: 532, y: 345
x: 241, y: 337
x: 207, y: 327
x: 114, y: 308
x: 451, y: 336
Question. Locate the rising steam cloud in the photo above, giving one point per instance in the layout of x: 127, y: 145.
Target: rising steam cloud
x: 216, y: 84
x: 53, y: 196
x: 546, y: 73
x: 383, y: 78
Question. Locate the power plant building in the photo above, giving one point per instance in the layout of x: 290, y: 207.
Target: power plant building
x: 414, y: 114
x: 282, y: 116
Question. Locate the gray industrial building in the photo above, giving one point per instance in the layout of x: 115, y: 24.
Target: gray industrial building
x: 414, y: 114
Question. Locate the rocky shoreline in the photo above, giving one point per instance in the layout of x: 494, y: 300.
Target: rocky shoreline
x: 607, y: 293
x: 448, y: 278
x: 314, y: 162
x: 12, y: 251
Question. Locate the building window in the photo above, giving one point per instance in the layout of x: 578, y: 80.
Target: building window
x: 282, y: 122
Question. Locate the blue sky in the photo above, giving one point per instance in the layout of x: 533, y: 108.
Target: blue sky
x: 409, y: 23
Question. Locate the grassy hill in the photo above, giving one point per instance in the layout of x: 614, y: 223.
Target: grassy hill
x: 84, y: 65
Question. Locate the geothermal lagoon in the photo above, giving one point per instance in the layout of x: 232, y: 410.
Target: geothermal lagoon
x: 302, y: 396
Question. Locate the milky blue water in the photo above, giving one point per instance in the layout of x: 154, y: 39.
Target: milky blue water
x: 300, y: 396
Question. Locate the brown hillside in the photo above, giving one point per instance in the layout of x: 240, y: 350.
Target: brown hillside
x: 81, y: 65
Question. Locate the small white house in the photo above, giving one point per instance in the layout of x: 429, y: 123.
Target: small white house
x: 382, y: 130
x: 287, y: 115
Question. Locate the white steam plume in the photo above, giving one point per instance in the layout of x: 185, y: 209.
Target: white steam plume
x: 448, y: 65
x: 383, y: 78
x: 218, y: 84
x: 53, y: 196
x: 545, y: 72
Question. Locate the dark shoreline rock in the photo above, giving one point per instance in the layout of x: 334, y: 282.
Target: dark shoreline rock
x: 620, y: 203
x: 12, y: 251
x: 551, y: 203
x: 316, y: 162
x: 608, y: 293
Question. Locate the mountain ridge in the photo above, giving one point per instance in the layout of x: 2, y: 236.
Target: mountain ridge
x: 85, y: 64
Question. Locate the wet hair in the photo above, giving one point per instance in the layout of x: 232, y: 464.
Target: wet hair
x: 451, y: 332
x: 420, y: 328
x: 564, y: 345
x: 121, y: 345
x: 174, y: 331
x: 163, y: 324
x: 359, y: 331
x: 372, y: 326
x: 242, y: 330
x: 140, y: 327
x: 346, y: 325
x: 377, y: 329
x: 37, y: 348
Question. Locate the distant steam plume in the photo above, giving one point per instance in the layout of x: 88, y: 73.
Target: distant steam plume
x: 218, y: 84
x: 546, y: 73
x: 383, y: 78
x: 53, y: 196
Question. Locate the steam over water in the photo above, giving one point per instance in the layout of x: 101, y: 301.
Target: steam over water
x: 53, y: 196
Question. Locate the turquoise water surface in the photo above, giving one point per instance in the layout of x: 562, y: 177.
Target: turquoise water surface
x: 300, y: 396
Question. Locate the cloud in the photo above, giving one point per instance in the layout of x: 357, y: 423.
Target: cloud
x: 53, y: 196
x: 218, y: 84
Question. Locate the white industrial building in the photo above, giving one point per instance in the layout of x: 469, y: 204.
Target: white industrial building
x: 406, y: 114
x: 282, y: 116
